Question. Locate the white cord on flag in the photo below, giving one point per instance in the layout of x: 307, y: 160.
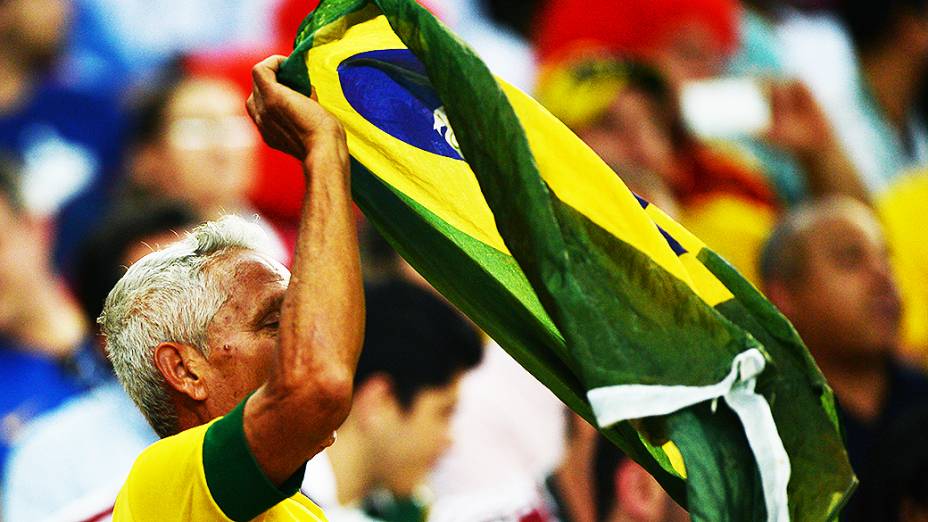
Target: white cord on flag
x: 613, y: 404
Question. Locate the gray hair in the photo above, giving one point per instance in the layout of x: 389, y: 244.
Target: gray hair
x: 169, y: 296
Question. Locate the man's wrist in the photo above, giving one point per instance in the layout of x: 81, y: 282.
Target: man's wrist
x: 327, y: 156
x: 823, y: 153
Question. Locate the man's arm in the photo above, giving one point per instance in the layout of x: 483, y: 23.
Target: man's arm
x: 802, y: 128
x: 308, y: 395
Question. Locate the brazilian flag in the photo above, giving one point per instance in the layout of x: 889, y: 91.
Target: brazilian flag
x: 624, y: 315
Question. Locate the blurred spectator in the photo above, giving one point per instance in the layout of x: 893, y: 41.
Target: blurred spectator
x: 779, y: 44
x: 71, y: 462
x: 40, y: 327
x: 507, y: 432
x: 622, y: 110
x: 67, y: 137
x: 625, y: 492
x: 193, y: 142
x: 902, y: 210
x: 573, y: 489
x: 626, y: 113
x: 898, y: 491
x: 416, y: 350
x: 826, y: 267
x: 507, y: 429
x: 723, y: 193
x: 610, y: 487
x: 277, y: 190
x: 877, y: 115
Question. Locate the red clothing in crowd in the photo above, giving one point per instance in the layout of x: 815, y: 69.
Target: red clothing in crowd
x: 631, y: 29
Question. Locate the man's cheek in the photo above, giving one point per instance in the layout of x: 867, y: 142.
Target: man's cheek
x: 264, y: 360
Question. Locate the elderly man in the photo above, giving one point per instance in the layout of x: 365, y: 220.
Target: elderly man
x: 243, y: 369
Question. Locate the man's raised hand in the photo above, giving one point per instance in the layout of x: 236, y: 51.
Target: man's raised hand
x: 289, y: 121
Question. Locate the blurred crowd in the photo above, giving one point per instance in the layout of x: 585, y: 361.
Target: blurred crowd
x: 790, y: 135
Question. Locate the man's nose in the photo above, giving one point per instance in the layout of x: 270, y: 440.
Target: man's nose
x: 882, y: 273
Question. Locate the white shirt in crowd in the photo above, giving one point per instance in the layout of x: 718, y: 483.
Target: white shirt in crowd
x: 71, y: 462
x: 319, y: 485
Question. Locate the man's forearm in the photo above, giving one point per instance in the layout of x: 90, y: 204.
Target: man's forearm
x: 829, y: 171
x: 321, y: 328
x: 322, y: 317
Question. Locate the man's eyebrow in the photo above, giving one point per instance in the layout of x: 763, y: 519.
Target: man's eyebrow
x: 270, y: 305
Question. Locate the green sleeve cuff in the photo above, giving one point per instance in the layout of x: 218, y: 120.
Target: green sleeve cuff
x: 236, y: 481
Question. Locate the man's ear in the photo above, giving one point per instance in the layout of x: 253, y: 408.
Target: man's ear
x: 373, y: 401
x: 779, y: 294
x: 183, y: 367
x: 638, y: 494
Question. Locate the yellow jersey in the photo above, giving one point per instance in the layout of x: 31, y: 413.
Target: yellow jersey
x: 209, y: 473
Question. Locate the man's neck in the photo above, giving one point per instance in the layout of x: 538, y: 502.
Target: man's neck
x: 352, y: 466
x: 861, y: 385
x: 894, y: 78
x: 575, y: 471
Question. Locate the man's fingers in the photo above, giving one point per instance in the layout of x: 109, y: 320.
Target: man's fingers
x: 287, y: 119
x: 264, y: 74
x: 250, y: 107
x: 779, y: 100
x: 803, y: 95
x: 279, y: 135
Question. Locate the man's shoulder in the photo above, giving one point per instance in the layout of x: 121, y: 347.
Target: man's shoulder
x: 163, y: 473
x: 169, y: 479
x: 169, y: 451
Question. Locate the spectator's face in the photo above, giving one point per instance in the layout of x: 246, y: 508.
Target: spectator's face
x: 630, y: 136
x: 36, y: 27
x: 639, y: 497
x: 911, y: 33
x: 242, y: 336
x: 416, y: 437
x: 845, y: 303
x: 206, y: 155
x: 692, y: 52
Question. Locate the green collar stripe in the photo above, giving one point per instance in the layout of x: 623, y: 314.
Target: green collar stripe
x: 236, y: 481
